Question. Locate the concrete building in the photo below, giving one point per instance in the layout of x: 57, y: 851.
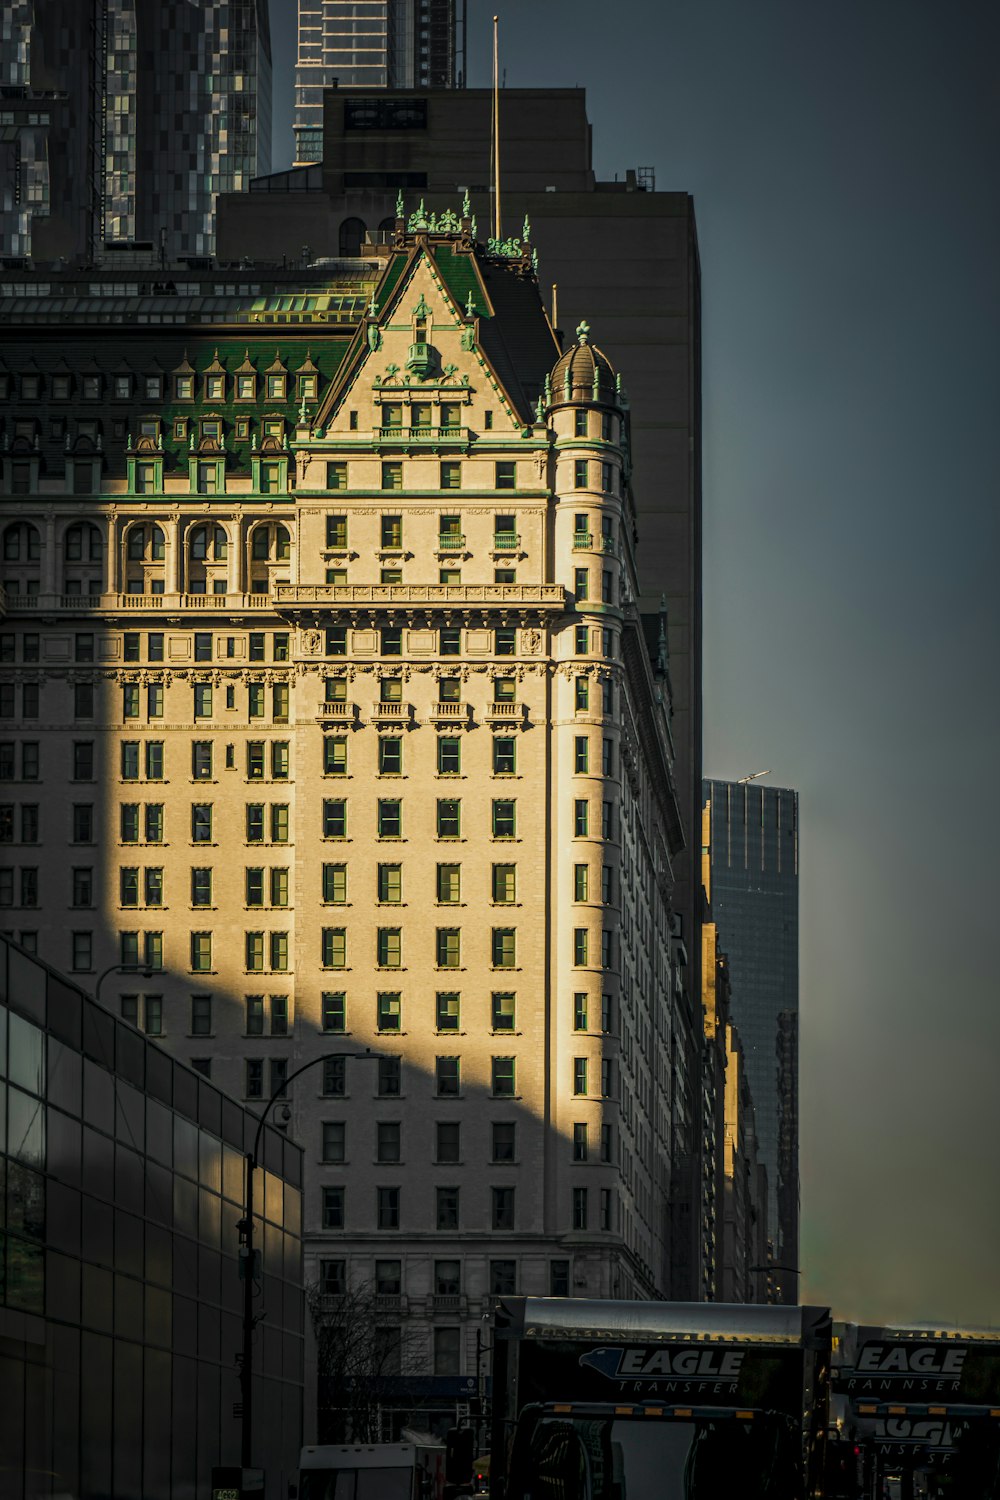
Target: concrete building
x: 380, y: 44
x: 322, y: 635
x: 744, y: 1249
x: 123, y: 119
x: 754, y: 837
x: 120, y: 1293
x: 623, y: 256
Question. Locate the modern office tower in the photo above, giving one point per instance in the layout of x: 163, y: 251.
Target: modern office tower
x: 378, y: 44
x: 120, y: 1288
x: 124, y: 119
x: 334, y: 698
x: 624, y: 257
x: 755, y: 904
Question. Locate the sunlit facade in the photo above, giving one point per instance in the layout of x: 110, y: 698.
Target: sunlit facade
x: 327, y: 665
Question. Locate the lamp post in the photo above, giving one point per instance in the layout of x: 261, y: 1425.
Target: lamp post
x: 248, y: 1267
x: 143, y: 973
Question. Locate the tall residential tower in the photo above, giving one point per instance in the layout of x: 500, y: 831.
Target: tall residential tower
x: 754, y: 842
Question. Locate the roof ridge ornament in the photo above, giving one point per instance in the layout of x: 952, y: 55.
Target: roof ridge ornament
x: 400, y: 207
x: 583, y: 332
x: 466, y: 205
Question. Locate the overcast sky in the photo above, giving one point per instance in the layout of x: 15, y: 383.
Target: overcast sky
x: 843, y: 161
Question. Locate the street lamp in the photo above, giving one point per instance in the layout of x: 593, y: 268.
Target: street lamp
x: 245, y: 1228
x: 144, y: 973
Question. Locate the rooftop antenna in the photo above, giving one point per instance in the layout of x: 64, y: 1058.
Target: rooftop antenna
x: 496, y: 127
x: 752, y: 777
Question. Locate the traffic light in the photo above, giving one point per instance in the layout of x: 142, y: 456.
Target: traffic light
x: 459, y: 1455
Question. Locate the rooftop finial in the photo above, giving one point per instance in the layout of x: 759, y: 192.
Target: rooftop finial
x: 466, y: 205
x: 400, y: 207
x: 372, y: 309
x: 583, y: 332
x: 526, y: 229
x: 302, y: 410
x: 470, y: 305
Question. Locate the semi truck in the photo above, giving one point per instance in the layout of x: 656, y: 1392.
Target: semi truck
x: 595, y: 1400
x: 413, y: 1470
x: 920, y: 1409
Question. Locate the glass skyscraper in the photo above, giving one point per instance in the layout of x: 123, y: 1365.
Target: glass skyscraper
x: 366, y: 44
x: 124, y: 119
x: 754, y: 854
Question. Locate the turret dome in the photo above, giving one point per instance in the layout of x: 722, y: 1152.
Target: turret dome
x: 584, y: 373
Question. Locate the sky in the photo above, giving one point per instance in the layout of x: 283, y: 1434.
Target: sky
x: 843, y: 162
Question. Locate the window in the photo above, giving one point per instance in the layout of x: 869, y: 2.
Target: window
x: 451, y: 576
x: 447, y: 1077
x: 504, y: 756
x: 504, y: 947
x: 505, y: 477
x: 580, y: 945
x: 388, y: 947
x: 333, y: 1277
x: 559, y: 1278
x: 504, y: 689
x: 387, y: 1141
x: 391, y: 641
x: 505, y: 640
x: 333, y: 1011
x: 607, y: 1208
x: 154, y: 701
x: 607, y: 1078
x: 388, y: 1010
x: 201, y: 1015
x: 335, y: 1077
x: 130, y: 760
x: 333, y: 948
x: 201, y: 760
x: 279, y: 951
x: 254, y: 948
x: 580, y: 1208
x: 607, y: 586
x: 279, y: 823
x: 579, y: 1075
x: 201, y: 823
x: 607, y: 1013
x: 154, y: 822
x: 391, y: 690
x: 203, y: 700
x: 334, y: 1141
x: 449, y: 690
x: 504, y: 818
x: 449, y: 756
x: 449, y: 884
x: 83, y: 886
x: 389, y: 820
x: 581, y: 754
x: 201, y: 887
x: 392, y: 479
x: 129, y: 823
x: 580, y: 1141
x: 450, y: 641
x: 153, y: 885
x: 255, y: 700
x: 389, y: 1082
x: 581, y: 640
x: 448, y: 1141
x: 334, y: 818
x: 605, y: 1143
x: 255, y: 822
x: 448, y: 818
x: 333, y: 1207
x: 447, y: 1208
x: 447, y: 1278
x: 580, y: 468
x: 502, y: 1077
x: 503, y: 1007
x: 451, y: 476
x: 254, y: 1085
x: 607, y: 820
x: 580, y: 423
x: 336, y: 640
x: 581, y: 817
x: 279, y: 760
x: 448, y: 947
x: 154, y: 646
x: 335, y: 884
x: 336, y: 479
x: 390, y: 755
x: 503, y: 1207
x: 580, y: 882
x: 334, y: 756
x: 581, y: 582
x: 254, y: 886
x: 447, y: 1010
x: 582, y: 696
x: 504, y: 884
x: 81, y: 949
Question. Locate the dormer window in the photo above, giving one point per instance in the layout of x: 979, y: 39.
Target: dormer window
x: 184, y: 387
x: 274, y: 427
x: 242, y: 426
x: 123, y: 387
x: 180, y: 428
x: 307, y: 387
x: 276, y: 387
x: 92, y: 387
x: 30, y: 386
x: 215, y: 387
x: 211, y: 430
x: 149, y: 427
x: 246, y: 387
x: 153, y: 387
x: 145, y: 479
x: 60, y: 387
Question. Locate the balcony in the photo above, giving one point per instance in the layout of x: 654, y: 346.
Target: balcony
x: 506, y: 541
x: 391, y: 1304
x: 549, y: 596
x: 451, y: 541
x: 391, y: 713
x: 582, y: 540
x: 85, y: 604
x: 451, y: 713
x: 505, y: 713
x: 449, y: 1305
x: 408, y: 437
x: 337, y: 713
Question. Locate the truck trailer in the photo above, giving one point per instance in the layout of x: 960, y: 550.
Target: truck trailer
x: 600, y: 1400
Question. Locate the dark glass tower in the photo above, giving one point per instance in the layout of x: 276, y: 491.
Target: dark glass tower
x: 755, y: 902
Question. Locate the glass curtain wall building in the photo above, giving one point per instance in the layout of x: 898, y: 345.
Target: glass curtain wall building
x: 371, y: 44
x: 121, y: 1185
x: 754, y: 841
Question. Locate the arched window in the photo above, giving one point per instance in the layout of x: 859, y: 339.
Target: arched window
x: 209, y: 543
x: 83, y: 543
x: 145, y: 550
x: 21, y: 543
x: 352, y: 234
x: 270, y: 544
x: 387, y: 224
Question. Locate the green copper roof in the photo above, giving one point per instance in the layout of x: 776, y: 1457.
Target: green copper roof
x: 460, y: 277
